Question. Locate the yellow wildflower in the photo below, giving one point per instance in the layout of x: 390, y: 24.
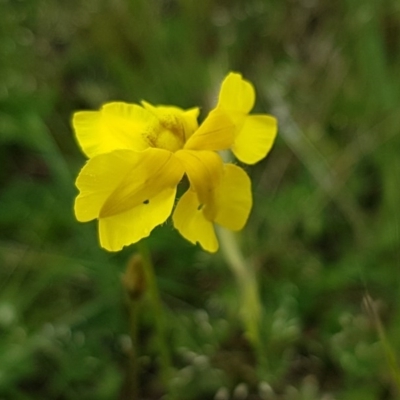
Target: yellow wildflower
x: 138, y: 154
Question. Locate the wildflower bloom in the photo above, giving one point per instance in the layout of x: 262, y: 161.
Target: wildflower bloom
x: 138, y: 154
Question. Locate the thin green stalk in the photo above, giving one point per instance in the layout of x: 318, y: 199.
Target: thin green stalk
x: 152, y: 289
x: 251, y: 307
x: 387, y: 348
x: 133, y: 382
x: 133, y: 281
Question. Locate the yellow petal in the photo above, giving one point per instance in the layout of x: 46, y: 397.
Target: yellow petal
x: 189, y: 220
x: 115, y: 182
x: 215, y: 133
x: 204, y: 170
x: 136, y: 223
x: 236, y: 94
x: 255, y: 138
x: 154, y: 171
x: 100, y: 176
x: 233, y: 199
x: 116, y: 126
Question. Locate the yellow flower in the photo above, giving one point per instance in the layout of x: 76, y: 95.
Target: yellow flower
x: 138, y: 154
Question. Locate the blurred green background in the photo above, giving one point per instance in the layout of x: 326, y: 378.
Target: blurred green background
x: 323, y: 236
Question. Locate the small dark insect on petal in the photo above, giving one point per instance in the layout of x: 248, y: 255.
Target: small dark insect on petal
x: 146, y: 201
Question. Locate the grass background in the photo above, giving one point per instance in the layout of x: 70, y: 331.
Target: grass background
x: 323, y: 234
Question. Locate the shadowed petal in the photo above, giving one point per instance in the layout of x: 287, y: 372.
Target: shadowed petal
x: 99, y: 177
x: 155, y: 170
x: 170, y: 115
x: 204, y: 170
x: 136, y: 223
x: 191, y: 223
x: 215, y: 133
x: 115, y: 182
x: 232, y: 198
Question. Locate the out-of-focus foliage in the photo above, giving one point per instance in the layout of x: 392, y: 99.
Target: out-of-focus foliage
x: 323, y: 234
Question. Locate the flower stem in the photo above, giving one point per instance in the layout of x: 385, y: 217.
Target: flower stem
x: 250, y: 307
x: 158, y: 312
x: 387, y: 347
x: 133, y: 386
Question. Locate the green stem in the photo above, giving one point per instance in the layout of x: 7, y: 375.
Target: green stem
x: 159, y: 320
x: 251, y: 307
x: 133, y: 385
x: 387, y: 348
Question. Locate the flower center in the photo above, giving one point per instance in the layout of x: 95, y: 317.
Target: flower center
x: 168, y: 134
